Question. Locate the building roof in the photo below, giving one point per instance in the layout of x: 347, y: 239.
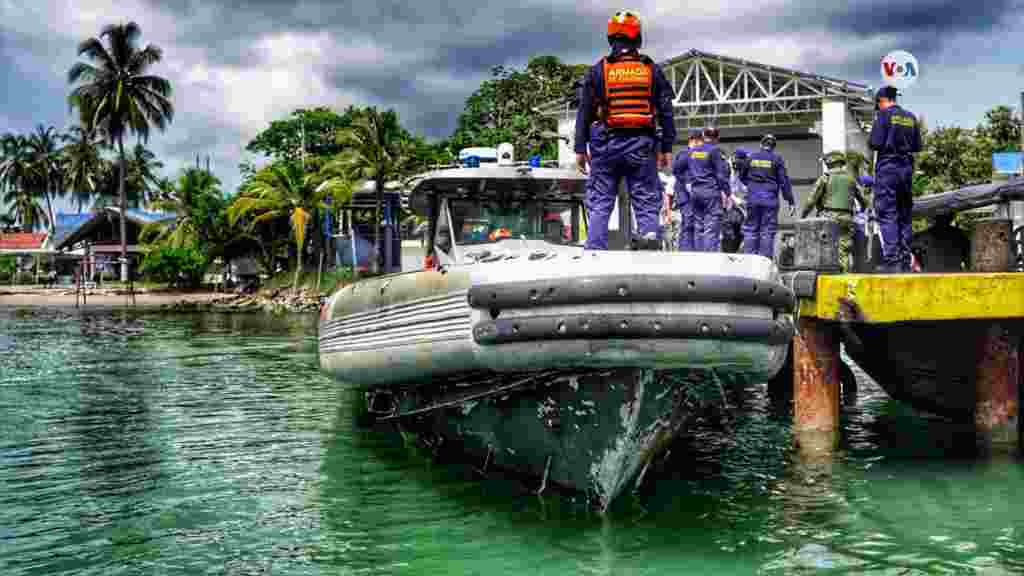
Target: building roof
x: 22, y: 241
x: 141, y: 217
x: 733, y: 92
x: 86, y: 226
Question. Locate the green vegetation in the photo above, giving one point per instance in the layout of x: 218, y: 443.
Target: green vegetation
x: 502, y: 109
x: 953, y: 157
x: 311, y: 162
x: 283, y: 190
x: 7, y: 266
x: 182, y: 267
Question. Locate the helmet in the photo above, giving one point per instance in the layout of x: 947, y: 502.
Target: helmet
x: 711, y: 133
x: 625, y: 23
x: 834, y: 158
x: 866, y: 181
x: 768, y: 141
x: 741, y: 153
x: 695, y: 134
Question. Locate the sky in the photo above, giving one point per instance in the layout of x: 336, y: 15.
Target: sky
x: 235, y: 65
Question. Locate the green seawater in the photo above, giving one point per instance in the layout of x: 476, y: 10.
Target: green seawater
x: 145, y: 443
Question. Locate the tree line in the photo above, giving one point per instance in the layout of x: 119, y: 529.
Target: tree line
x: 313, y: 159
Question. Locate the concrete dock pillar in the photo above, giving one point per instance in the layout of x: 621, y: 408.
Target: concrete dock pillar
x: 816, y: 384
x: 997, y: 389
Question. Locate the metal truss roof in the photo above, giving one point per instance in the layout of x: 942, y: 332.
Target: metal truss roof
x: 731, y: 92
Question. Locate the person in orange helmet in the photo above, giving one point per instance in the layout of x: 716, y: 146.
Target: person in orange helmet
x: 623, y: 99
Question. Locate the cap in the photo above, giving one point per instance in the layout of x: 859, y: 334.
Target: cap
x: 888, y: 92
x: 742, y: 153
x: 696, y: 133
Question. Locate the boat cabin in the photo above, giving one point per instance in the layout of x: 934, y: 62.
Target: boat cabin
x: 508, y: 207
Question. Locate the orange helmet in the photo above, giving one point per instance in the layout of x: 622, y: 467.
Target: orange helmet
x: 625, y: 23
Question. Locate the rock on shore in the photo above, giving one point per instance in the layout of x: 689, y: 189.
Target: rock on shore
x: 276, y: 301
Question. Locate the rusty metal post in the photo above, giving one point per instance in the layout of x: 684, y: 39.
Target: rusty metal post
x: 816, y: 378
x: 997, y: 389
x: 990, y: 245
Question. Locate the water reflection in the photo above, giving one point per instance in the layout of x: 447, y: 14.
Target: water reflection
x: 209, y: 443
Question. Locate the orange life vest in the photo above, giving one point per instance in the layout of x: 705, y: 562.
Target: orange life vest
x: 628, y: 92
x: 500, y: 233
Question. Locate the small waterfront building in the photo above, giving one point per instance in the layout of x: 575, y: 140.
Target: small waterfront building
x: 98, y: 238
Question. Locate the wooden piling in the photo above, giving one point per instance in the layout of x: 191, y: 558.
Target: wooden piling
x: 990, y: 245
x: 816, y: 377
x: 997, y: 389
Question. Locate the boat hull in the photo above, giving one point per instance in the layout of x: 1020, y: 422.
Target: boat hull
x: 558, y: 365
x: 592, y: 432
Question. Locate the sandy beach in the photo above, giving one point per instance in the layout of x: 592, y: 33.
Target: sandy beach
x: 21, y: 297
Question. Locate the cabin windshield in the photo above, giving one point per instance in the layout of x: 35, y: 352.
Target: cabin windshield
x: 490, y: 220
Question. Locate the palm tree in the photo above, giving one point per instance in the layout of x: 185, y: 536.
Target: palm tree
x: 17, y: 179
x: 121, y: 96
x: 375, y: 150
x: 284, y: 190
x: 7, y: 222
x: 47, y: 166
x: 164, y: 190
x: 192, y: 188
x: 83, y: 164
x: 142, y: 173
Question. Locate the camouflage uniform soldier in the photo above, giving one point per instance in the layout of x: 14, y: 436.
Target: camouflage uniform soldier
x: 833, y: 197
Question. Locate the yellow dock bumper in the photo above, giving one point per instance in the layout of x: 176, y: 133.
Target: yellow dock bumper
x: 919, y: 297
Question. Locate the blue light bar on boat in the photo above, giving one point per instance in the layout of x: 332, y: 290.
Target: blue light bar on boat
x: 481, y: 154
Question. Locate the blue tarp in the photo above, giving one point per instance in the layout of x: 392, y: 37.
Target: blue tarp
x: 1006, y: 162
x: 68, y: 223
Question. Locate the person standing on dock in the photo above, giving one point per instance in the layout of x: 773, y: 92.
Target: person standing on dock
x: 833, y: 198
x: 765, y: 177
x: 895, y: 137
x: 622, y: 98
x: 680, y: 169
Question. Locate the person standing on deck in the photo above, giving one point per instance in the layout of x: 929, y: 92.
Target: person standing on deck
x: 708, y: 174
x: 895, y: 137
x: 680, y: 169
x: 765, y: 177
x: 623, y: 97
x: 833, y: 197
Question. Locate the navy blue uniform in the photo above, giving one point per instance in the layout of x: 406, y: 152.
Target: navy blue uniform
x: 621, y: 153
x: 680, y: 169
x: 895, y: 136
x: 764, y: 175
x: 708, y: 174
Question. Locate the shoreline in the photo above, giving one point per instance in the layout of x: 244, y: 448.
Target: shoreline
x: 274, y: 301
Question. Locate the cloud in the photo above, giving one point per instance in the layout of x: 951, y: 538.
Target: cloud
x: 236, y: 65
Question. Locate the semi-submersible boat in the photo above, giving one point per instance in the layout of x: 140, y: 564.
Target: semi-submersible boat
x: 522, y: 349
